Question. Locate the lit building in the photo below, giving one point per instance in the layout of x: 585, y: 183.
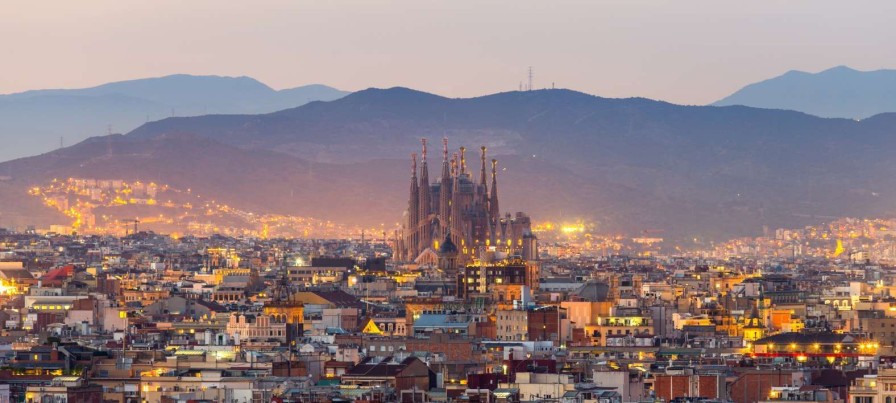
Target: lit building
x: 534, y: 386
x: 809, y: 393
x: 403, y: 373
x: 386, y: 326
x: 14, y: 278
x: 680, y: 382
x: 823, y: 347
x: 285, y: 308
x: 201, y: 385
x: 753, y: 327
x: 876, y: 324
x: 462, y: 208
x: 621, y: 331
x: 256, y: 330
x: 785, y: 320
x: 512, y: 324
x: 876, y: 388
x: 312, y: 275
x: 513, y: 276
x: 65, y: 389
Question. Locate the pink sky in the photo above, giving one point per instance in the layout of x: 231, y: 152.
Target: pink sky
x: 689, y: 52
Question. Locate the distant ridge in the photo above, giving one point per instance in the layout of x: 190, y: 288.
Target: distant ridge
x: 34, y: 122
x: 837, y: 92
x: 625, y: 164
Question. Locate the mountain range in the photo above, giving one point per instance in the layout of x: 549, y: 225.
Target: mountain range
x: 35, y: 122
x: 628, y: 165
x: 839, y: 92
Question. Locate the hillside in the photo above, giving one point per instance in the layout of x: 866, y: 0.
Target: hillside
x: 838, y: 92
x: 369, y: 194
x: 626, y: 164
x: 34, y: 122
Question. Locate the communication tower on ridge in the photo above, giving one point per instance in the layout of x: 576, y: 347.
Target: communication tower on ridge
x: 530, y: 78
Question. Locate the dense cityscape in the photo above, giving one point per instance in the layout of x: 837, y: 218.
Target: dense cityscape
x: 447, y: 201
x: 115, y: 206
x: 464, y: 303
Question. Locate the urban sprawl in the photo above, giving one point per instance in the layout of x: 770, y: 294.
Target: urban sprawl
x: 464, y: 303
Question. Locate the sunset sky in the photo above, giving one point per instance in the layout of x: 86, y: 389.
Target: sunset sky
x: 691, y: 52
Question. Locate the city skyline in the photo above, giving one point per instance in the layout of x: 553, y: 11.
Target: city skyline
x: 693, y: 53
x: 204, y: 227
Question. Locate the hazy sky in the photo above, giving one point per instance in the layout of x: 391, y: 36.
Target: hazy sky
x: 680, y: 51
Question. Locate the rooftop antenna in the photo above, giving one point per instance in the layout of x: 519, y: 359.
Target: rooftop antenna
x: 530, y: 78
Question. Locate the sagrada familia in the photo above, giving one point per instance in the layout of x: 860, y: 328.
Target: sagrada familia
x: 459, y: 214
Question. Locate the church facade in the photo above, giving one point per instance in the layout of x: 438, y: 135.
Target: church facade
x: 461, y: 207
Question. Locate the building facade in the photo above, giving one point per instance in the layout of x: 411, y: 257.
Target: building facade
x: 463, y: 209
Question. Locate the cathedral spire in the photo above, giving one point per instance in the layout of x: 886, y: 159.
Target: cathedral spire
x: 446, y: 165
x: 424, y: 171
x: 414, y: 166
x: 425, y: 207
x: 413, y: 210
x: 455, y: 219
x: 482, y: 171
x: 463, y: 160
x: 444, y: 189
x: 445, y: 149
x: 493, y: 210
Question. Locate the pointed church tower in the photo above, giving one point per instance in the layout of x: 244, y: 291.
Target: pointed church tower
x: 483, y: 180
x: 482, y: 177
x: 455, y: 219
x: 445, y: 190
x: 754, y: 328
x: 413, y: 212
x: 484, y: 223
x: 494, y: 211
x: 448, y: 256
x: 763, y: 309
x: 425, y: 207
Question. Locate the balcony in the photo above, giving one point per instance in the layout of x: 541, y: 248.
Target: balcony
x: 862, y: 389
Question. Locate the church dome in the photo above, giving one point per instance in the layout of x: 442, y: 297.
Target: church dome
x: 448, y: 246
